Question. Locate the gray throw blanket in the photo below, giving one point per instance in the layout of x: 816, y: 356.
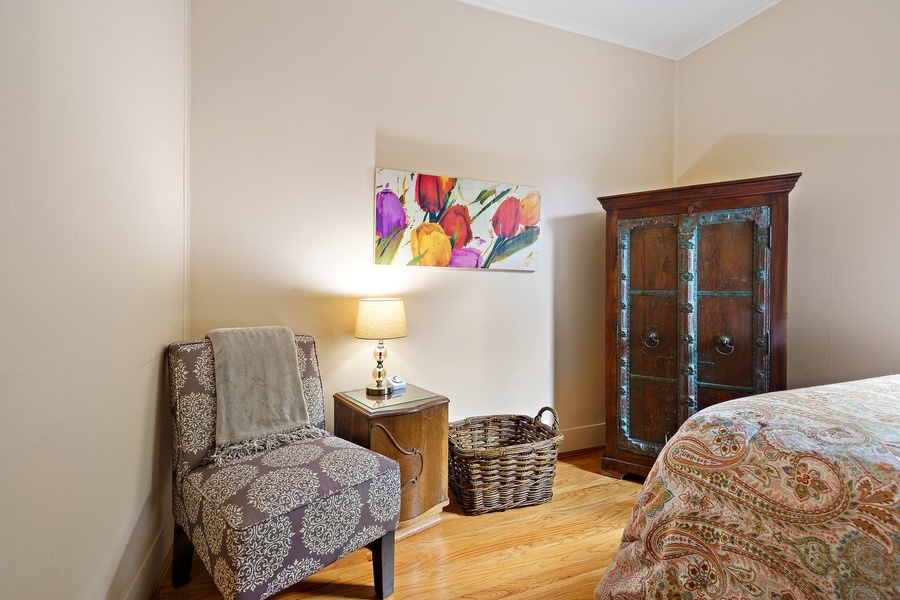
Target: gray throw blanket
x: 259, y: 393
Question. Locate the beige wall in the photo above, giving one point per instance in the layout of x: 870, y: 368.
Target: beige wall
x: 91, y: 289
x: 812, y: 86
x: 294, y: 104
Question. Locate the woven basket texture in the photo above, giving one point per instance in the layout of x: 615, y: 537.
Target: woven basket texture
x: 499, y: 462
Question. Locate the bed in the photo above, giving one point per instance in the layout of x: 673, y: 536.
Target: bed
x: 787, y: 495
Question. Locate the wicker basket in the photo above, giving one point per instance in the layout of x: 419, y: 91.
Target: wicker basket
x: 503, y: 461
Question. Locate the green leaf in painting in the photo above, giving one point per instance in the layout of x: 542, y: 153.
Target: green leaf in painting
x: 495, y: 200
x: 386, y: 248
x: 492, y: 251
x: 515, y: 244
x: 484, y: 194
x: 416, y: 260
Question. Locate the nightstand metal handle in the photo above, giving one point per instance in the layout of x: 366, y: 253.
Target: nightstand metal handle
x: 415, y: 451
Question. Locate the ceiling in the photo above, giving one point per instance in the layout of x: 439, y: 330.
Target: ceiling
x: 669, y: 28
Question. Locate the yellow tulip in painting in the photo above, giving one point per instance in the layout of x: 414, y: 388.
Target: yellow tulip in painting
x: 430, y: 245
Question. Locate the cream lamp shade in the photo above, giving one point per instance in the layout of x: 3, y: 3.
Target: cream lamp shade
x: 380, y: 319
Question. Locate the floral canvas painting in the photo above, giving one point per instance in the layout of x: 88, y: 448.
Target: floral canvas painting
x: 433, y: 221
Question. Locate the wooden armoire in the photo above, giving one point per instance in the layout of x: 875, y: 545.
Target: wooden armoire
x: 696, y: 307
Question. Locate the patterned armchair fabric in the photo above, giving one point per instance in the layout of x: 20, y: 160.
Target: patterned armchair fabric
x: 262, y: 523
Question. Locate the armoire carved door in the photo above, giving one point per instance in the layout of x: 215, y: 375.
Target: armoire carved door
x: 696, y: 309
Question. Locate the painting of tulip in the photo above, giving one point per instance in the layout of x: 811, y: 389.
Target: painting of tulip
x: 427, y: 220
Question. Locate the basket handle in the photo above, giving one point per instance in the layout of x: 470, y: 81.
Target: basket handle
x: 554, y: 427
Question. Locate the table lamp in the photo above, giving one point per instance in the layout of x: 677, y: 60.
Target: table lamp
x: 380, y: 319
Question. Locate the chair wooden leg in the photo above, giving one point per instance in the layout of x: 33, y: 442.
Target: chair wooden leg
x: 182, y: 557
x: 383, y: 564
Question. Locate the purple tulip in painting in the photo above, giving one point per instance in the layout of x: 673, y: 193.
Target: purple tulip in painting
x: 432, y: 221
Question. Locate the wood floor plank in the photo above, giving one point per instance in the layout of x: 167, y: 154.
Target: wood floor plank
x: 555, y: 550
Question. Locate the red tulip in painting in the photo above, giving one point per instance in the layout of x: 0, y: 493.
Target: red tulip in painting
x: 432, y: 192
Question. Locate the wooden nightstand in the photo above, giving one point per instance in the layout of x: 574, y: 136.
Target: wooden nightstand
x: 410, y: 427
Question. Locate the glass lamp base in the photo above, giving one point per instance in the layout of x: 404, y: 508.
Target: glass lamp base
x: 381, y: 387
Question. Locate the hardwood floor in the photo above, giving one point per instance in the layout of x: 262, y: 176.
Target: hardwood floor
x: 556, y: 550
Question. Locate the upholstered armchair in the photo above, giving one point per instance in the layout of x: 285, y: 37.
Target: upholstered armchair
x: 264, y: 521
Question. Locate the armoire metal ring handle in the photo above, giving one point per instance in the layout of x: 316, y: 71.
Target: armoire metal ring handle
x: 724, y: 344
x: 651, y: 337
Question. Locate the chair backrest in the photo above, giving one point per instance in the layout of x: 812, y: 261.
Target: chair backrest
x: 192, y: 397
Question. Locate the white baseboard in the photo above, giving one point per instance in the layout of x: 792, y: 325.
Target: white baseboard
x: 586, y: 436
x: 149, y: 572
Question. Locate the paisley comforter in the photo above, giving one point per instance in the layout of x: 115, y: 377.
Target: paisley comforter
x: 788, y: 495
